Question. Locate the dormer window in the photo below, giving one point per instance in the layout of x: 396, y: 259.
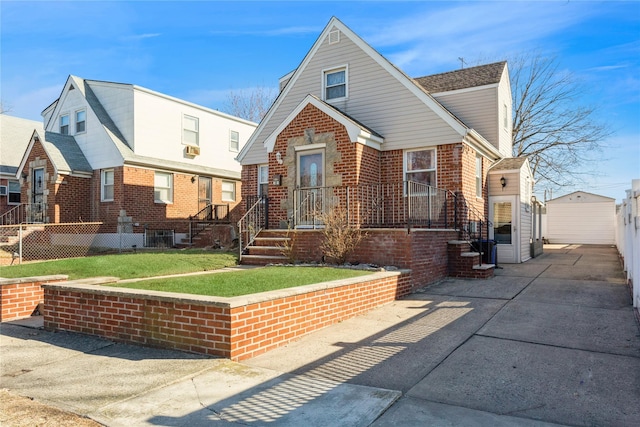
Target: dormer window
x: 64, y: 124
x: 335, y: 84
x: 81, y: 121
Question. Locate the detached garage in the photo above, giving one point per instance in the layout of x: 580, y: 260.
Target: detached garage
x: 581, y: 218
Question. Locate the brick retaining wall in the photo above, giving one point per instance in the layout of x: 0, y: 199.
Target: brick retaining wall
x: 237, y: 328
x: 20, y: 297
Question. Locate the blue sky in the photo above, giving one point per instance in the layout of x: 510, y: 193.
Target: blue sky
x: 200, y: 51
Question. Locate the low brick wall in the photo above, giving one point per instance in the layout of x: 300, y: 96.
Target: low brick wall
x: 423, y: 251
x: 236, y: 328
x: 19, y: 297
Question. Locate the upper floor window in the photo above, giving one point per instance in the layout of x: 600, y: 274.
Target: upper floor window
x: 478, y: 175
x: 163, y: 187
x: 190, y: 130
x: 14, y: 193
x: 64, y: 124
x: 106, y: 187
x: 505, y: 116
x: 335, y: 84
x: 81, y: 121
x: 420, y: 166
x: 234, y: 141
x: 228, y: 191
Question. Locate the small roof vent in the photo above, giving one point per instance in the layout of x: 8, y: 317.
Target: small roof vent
x: 334, y: 37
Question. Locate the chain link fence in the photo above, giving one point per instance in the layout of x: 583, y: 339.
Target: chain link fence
x: 23, y: 243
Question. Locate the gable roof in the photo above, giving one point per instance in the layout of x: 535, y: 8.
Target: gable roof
x: 63, y: 152
x: 416, y: 89
x: 578, y: 195
x: 357, y: 131
x: 15, y: 134
x: 509, y: 163
x: 481, y: 75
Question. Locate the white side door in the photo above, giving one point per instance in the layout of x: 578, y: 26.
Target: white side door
x: 503, y: 215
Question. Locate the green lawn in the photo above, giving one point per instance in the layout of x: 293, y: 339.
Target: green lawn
x: 127, y: 266
x: 229, y: 284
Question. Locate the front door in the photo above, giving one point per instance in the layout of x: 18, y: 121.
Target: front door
x: 36, y: 212
x: 204, y: 192
x: 502, y: 212
x: 310, y: 182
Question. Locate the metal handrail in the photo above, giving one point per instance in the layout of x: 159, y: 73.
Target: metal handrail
x: 25, y: 213
x: 251, y: 223
x: 209, y: 214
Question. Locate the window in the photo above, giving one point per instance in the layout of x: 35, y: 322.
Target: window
x: 189, y: 130
x: 64, y: 124
x: 263, y: 180
x: 106, y: 189
x: 335, y: 84
x: 420, y: 166
x: 81, y: 121
x: 163, y: 187
x: 505, y: 117
x: 478, y: 175
x: 228, y: 191
x: 234, y: 141
x: 14, y: 193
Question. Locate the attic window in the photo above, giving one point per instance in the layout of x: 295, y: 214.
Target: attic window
x: 335, y: 84
x: 64, y: 124
x: 334, y: 37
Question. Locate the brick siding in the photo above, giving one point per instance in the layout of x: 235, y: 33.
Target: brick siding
x: 237, y: 328
x: 20, y: 297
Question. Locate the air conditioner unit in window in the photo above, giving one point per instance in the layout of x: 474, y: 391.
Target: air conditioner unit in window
x: 192, y: 150
x: 3, y: 190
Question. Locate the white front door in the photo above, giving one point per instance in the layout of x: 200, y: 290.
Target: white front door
x: 503, y: 215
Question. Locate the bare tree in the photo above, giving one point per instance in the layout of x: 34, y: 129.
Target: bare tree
x: 4, y: 108
x: 551, y: 125
x: 250, y: 104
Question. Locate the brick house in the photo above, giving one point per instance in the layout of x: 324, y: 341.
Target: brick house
x: 399, y: 154
x: 139, y: 161
x: 14, y: 138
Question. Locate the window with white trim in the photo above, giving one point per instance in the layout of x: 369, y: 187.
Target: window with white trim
x: 163, y: 187
x: 420, y: 166
x: 263, y: 180
x: 505, y: 116
x: 106, y: 187
x: 335, y: 84
x: 190, y: 130
x: 478, y: 175
x: 81, y: 121
x: 234, y: 141
x: 14, y: 193
x: 64, y: 124
x: 228, y: 191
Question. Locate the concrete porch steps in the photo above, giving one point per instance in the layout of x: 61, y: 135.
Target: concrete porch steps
x: 267, y: 248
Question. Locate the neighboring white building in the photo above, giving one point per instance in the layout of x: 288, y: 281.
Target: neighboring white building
x: 581, y: 218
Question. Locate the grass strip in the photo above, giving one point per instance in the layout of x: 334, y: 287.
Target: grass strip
x: 127, y: 266
x: 236, y: 283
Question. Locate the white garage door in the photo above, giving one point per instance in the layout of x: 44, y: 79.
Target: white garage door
x: 581, y: 223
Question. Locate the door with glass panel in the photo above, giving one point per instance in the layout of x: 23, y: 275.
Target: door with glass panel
x: 310, y: 183
x: 502, y: 211
x: 204, y: 194
x: 37, y: 208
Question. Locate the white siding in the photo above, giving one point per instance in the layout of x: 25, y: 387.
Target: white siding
x: 581, y: 218
x: 470, y: 106
x: 505, y: 138
x: 525, y: 230
x: 97, y: 147
x: 158, y: 132
x: 117, y: 100
x: 376, y: 99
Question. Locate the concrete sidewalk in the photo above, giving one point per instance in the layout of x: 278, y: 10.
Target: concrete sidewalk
x: 553, y: 340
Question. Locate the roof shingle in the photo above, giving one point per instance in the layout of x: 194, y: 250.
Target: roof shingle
x: 462, y: 79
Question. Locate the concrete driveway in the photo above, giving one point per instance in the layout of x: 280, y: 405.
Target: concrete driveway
x: 552, y: 341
